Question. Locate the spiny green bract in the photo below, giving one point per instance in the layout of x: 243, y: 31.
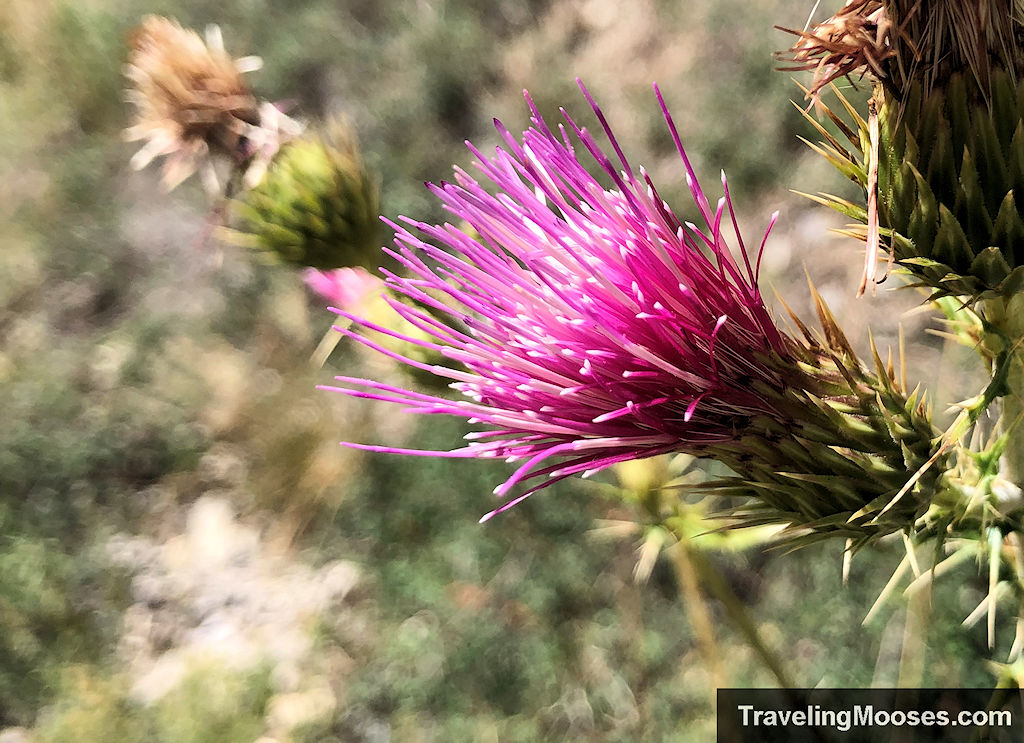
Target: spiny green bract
x: 951, y: 177
x: 317, y: 205
x: 858, y: 457
x: 950, y: 183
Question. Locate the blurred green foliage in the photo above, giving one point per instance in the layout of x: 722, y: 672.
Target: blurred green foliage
x: 211, y: 705
x: 130, y: 347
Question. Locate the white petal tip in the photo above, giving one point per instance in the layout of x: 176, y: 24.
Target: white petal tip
x: 249, y: 64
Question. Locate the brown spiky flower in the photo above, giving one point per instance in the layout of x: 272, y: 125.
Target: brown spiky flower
x: 854, y: 41
x: 902, y: 42
x: 191, y: 101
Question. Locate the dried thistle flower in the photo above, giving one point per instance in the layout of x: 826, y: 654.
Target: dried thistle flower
x: 191, y: 100
x: 852, y: 42
x: 900, y: 42
x: 587, y: 326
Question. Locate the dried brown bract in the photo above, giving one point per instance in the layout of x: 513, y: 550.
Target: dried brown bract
x: 937, y: 150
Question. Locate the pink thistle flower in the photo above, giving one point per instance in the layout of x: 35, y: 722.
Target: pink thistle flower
x: 588, y: 325
x: 342, y: 287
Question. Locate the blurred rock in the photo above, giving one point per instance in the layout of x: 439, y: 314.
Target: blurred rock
x: 286, y: 676
x: 223, y: 466
x: 106, y: 363
x: 339, y: 578
x: 26, y: 335
x: 217, y: 591
x: 128, y: 551
x: 289, y: 711
x: 166, y: 673
x: 213, y: 538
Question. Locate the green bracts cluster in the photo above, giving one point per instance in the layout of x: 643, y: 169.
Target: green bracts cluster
x: 950, y: 183
x: 951, y: 180
x: 316, y: 206
x: 857, y: 457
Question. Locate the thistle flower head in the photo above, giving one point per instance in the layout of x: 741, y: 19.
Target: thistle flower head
x: 586, y: 324
x: 935, y: 39
x: 190, y: 98
x: 594, y: 325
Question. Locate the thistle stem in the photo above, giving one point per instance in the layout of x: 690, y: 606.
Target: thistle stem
x: 1005, y: 318
x: 326, y: 346
x: 914, y: 646
x: 698, y: 613
x: 687, y: 560
x: 1018, y: 565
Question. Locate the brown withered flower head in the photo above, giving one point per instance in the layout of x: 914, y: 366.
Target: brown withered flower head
x: 191, y: 101
x: 854, y: 41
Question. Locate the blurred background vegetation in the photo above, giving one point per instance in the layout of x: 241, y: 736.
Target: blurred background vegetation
x: 185, y: 553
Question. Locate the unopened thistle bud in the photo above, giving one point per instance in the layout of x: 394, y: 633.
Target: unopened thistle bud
x: 584, y: 324
x: 940, y: 149
x: 317, y: 205
x: 191, y: 101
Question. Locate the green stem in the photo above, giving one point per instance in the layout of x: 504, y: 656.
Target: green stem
x: 915, y: 633
x: 1005, y: 323
x: 721, y: 590
x: 718, y: 587
x: 698, y: 613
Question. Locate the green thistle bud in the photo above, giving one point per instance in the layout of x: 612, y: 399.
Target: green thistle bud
x: 950, y: 182
x: 940, y: 151
x: 949, y: 166
x: 317, y: 205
